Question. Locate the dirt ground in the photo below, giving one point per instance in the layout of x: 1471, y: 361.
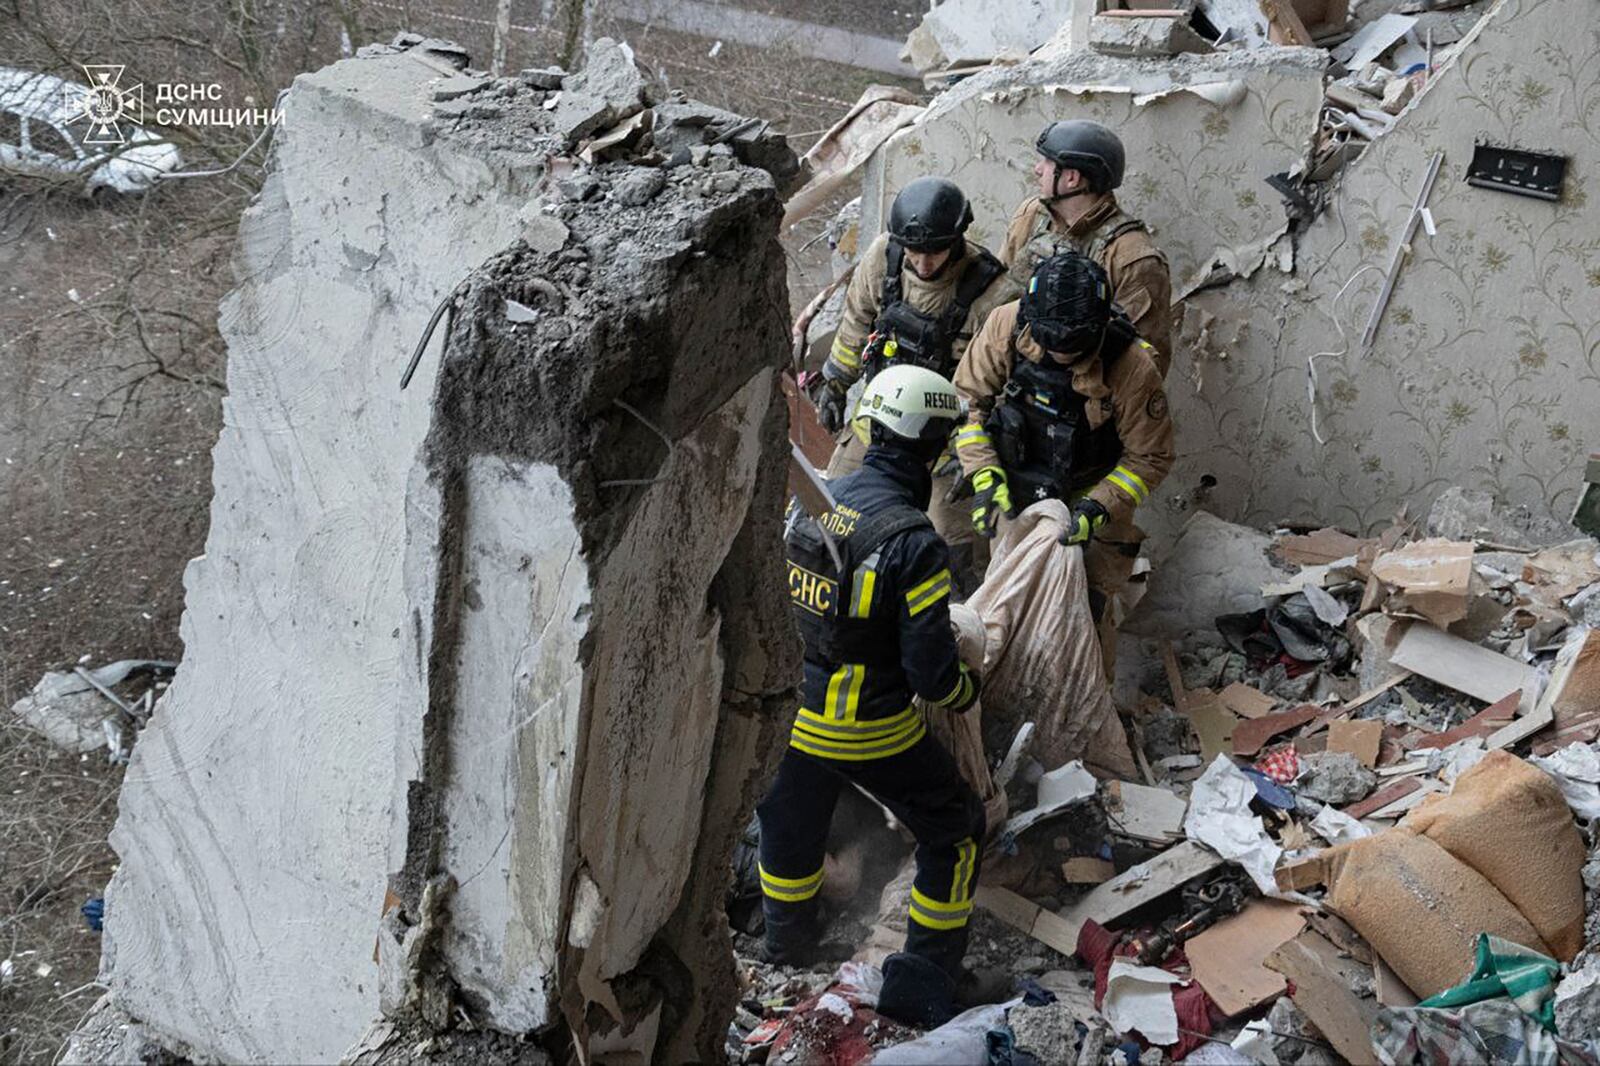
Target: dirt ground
x: 112, y: 377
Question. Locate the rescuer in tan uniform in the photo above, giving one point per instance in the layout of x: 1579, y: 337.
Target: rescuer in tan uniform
x: 1080, y: 163
x: 917, y: 298
x: 1065, y: 401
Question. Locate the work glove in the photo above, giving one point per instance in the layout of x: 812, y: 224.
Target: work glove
x: 967, y: 691
x: 1087, y: 518
x: 830, y: 395
x: 991, y: 497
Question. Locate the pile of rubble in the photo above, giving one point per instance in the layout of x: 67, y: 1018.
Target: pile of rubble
x: 1358, y: 830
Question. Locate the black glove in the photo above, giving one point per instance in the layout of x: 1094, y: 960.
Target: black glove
x: 1087, y: 518
x: 968, y: 686
x: 830, y: 396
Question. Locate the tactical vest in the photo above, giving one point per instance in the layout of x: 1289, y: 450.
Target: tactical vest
x: 1041, y: 429
x: 904, y: 335
x: 1044, y: 243
x: 834, y: 605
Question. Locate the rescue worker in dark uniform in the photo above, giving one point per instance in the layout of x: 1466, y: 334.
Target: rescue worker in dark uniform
x: 1080, y: 165
x: 1065, y: 401
x: 920, y: 293
x: 877, y: 634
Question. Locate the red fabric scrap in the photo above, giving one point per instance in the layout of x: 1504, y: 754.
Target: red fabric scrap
x: 1098, y: 947
x: 1281, y: 764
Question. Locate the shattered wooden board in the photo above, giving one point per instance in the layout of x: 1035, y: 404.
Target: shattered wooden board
x: 1358, y: 736
x: 1140, y: 884
x: 1249, y: 737
x: 1322, y: 981
x: 1227, y: 958
x: 1144, y: 813
x: 1482, y: 724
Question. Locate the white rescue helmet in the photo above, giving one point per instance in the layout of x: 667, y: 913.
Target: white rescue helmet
x: 911, y: 402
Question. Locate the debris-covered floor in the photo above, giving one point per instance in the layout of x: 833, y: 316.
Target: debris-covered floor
x: 1359, y: 828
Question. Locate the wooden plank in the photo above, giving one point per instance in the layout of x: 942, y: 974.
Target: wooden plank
x: 1301, y: 873
x: 1482, y: 724
x: 1246, y: 702
x: 1320, y: 548
x: 1251, y: 736
x: 1227, y: 958
x: 1169, y: 659
x: 1138, y: 885
x: 1359, y: 736
x: 1461, y: 665
x: 1048, y: 928
x: 1144, y: 813
x: 1283, y: 24
x: 1322, y: 983
x: 1087, y: 870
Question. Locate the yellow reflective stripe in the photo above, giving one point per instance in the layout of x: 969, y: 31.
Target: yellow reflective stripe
x: 934, y: 914
x: 861, y: 602
x: 1129, y: 482
x: 971, y: 435
x: 966, y: 861
x: 844, y: 355
x: 928, y: 593
x: 959, y: 693
x: 789, y: 889
x: 858, y: 752
x: 871, y: 729
x: 844, y: 691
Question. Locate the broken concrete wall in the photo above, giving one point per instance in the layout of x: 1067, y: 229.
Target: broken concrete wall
x: 1487, y: 358
x: 501, y: 656
x: 253, y: 833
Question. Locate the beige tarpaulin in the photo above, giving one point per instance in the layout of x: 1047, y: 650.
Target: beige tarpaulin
x: 1042, y: 658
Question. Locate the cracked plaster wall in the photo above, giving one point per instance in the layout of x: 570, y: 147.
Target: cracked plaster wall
x: 1486, y: 370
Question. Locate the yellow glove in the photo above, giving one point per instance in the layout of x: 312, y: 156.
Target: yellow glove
x: 1087, y: 518
x: 990, y: 497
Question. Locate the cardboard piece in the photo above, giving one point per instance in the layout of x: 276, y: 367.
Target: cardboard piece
x: 1431, y: 578
x: 1227, y: 958
x: 1574, y: 692
x: 1144, y: 813
x: 1462, y: 665
x: 1213, y: 724
x: 1245, y: 701
x: 1359, y: 736
x: 1319, y: 548
x: 1047, y: 927
x: 1087, y: 870
x: 1251, y: 736
x: 805, y: 430
x: 1322, y: 983
x: 1140, y: 884
x: 1558, y: 572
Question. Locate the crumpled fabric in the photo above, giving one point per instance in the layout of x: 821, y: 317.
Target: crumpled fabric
x: 1494, y: 1030
x: 1042, y: 659
x: 1504, y: 1012
x: 1099, y: 947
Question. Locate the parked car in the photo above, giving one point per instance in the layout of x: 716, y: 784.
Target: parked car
x: 41, y: 136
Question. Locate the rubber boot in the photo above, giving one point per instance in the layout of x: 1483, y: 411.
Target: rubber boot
x: 916, y: 991
x: 793, y: 934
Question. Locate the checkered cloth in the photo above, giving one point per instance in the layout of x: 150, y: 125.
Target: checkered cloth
x: 1281, y: 764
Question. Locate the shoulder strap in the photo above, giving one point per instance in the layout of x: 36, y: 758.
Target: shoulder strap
x: 1120, y: 334
x: 1108, y: 234
x: 894, y: 258
x: 871, y: 534
x: 974, y: 283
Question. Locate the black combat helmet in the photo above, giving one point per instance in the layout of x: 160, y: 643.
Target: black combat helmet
x: 1067, y: 304
x: 1087, y: 147
x: 929, y: 215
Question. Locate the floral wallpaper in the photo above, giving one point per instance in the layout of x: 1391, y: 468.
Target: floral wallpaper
x: 1485, y: 371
